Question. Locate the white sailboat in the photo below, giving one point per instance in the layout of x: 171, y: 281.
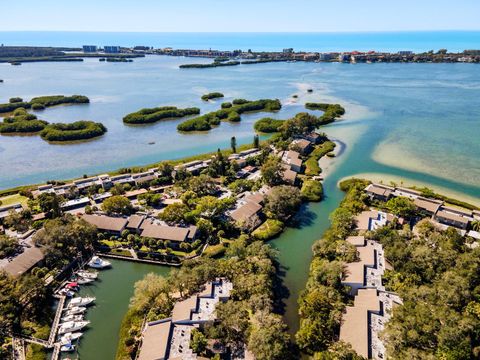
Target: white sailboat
x: 69, y: 337
x: 98, y: 263
x: 67, y: 347
x: 80, y: 301
x: 83, y: 281
x: 75, y: 310
x: 72, y: 326
x: 72, y: 318
x: 87, y: 274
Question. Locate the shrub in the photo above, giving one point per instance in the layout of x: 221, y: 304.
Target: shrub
x: 268, y: 125
x: 212, y: 95
x: 312, y: 190
x: 38, y: 106
x: 268, y: 230
x: 15, y: 100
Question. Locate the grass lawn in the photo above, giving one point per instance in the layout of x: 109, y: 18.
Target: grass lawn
x: 13, y: 199
x: 268, y: 230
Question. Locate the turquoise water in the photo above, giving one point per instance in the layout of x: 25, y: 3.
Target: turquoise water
x: 417, y: 41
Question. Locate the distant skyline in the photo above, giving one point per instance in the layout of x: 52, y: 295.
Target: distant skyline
x: 244, y: 16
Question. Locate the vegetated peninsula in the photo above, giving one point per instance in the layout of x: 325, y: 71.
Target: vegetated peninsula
x: 212, y: 95
x: 230, y: 112
x: 42, y: 102
x: 330, y: 113
x: 152, y: 115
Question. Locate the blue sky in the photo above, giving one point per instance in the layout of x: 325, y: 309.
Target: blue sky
x: 240, y: 16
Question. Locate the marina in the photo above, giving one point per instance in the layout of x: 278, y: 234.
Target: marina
x: 69, y: 315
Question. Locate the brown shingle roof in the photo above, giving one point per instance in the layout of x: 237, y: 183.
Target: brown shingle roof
x: 162, y: 232
x: 255, y: 197
x: 107, y: 223
x: 452, y: 217
x: 302, y: 144
x: 289, y: 176
x: 379, y: 190
x: 155, y: 341
x: 135, y: 221
x: 245, y: 211
x: 356, y: 240
x: 355, y: 325
x: 182, y: 310
x: 427, y: 204
x: 24, y: 262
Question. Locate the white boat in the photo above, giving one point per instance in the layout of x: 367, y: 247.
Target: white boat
x: 72, y: 318
x: 72, y: 326
x: 66, y: 292
x: 75, y: 310
x: 87, y: 274
x: 98, y: 263
x: 69, y: 337
x: 80, y: 301
x: 83, y: 281
x: 67, y: 348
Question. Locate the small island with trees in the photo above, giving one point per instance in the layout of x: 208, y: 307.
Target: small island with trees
x: 212, y: 95
x: 78, y: 130
x: 42, y: 102
x: 152, y: 115
x: 22, y: 122
x: 229, y: 112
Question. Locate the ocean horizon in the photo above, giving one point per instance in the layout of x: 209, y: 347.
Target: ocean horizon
x: 392, y: 41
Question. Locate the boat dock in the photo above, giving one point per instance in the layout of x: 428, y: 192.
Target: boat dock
x: 18, y: 348
x: 56, y: 321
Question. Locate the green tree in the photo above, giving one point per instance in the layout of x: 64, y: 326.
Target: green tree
x: 174, y: 213
x: 117, y: 204
x: 233, y: 144
x: 401, y: 206
x: 256, y: 141
x: 269, y: 339
x: 282, y: 201
x: 198, y: 341
x: 272, y: 171
x: 50, y: 203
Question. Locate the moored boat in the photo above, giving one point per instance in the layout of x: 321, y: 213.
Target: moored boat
x: 69, y: 337
x: 87, y: 274
x: 83, y: 281
x: 72, y: 326
x: 72, y: 318
x: 80, y: 301
x: 75, y: 310
x: 98, y: 263
x: 67, y: 348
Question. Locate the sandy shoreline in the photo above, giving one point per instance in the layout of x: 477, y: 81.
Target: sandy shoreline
x: 326, y: 163
x: 403, y: 181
